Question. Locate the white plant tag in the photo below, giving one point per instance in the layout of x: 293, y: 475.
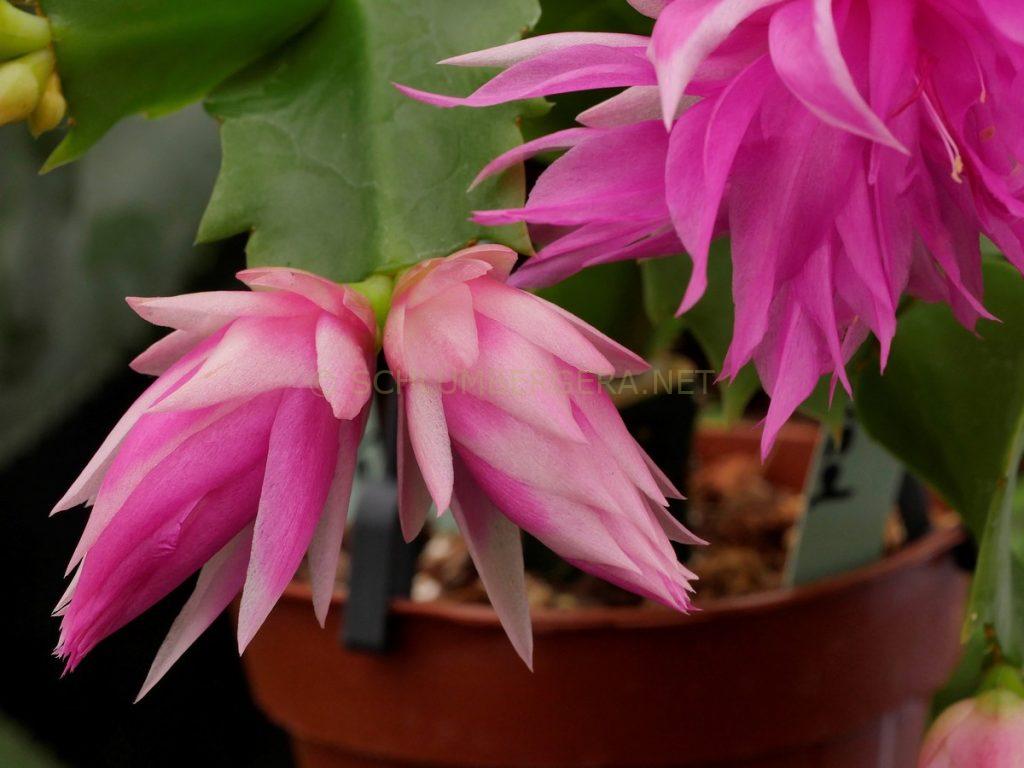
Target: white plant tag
x: 851, y: 490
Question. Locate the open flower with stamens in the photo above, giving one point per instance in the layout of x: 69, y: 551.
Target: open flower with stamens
x: 854, y: 150
x: 238, y: 461
x: 503, y: 419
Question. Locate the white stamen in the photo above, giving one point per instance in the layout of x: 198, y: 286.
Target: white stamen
x: 956, y: 159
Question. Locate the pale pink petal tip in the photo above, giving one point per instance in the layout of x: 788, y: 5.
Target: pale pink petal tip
x: 496, y: 548
x: 325, y: 548
x: 219, y: 583
x: 413, y: 496
x: 433, y: 99
x: 428, y: 434
x: 295, y: 489
x: 650, y: 7
x: 522, y: 50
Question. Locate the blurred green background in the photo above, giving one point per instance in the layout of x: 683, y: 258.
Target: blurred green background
x: 73, y: 244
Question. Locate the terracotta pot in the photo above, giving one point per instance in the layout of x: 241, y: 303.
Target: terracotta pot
x: 790, y: 459
x: 833, y: 675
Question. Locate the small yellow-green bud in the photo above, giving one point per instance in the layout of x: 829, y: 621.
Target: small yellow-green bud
x: 51, y: 108
x: 22, y: 83
x: 21, y: 32
x: 19, y: 92
x: 42, y: 63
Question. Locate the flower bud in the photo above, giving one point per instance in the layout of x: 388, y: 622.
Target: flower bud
x: 21, y: 32
x: 984, y: 732
x: 22, y: 83
x: 19, y: 92
x: 51, y: 108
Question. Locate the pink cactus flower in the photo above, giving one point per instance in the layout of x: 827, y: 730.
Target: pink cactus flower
x: 986, y: 732
x: 237, y: 461
x: 503, y: 420
x: 855, y: 150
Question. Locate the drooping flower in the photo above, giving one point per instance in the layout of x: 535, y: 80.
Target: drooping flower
x: 854, y: 150
x: 238, y: 460
x: 984, y: 732
x: 503, y: 419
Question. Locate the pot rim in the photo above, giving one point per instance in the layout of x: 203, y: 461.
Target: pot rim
x: 929, y: 548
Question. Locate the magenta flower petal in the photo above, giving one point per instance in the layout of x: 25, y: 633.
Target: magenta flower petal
x: 582, y: 175
x: 155, y: 437
x: 685, y: 35
x: 496, y: 548
x: 151, y: 551
x: 220, y: 581
x: 160, y: 356
x: 625, y: 243
x: 650, y: 7
x: 601, y: 414
x: 515, y: 375
x: 954, y: 244
x: 594, y: 237
x: 432, y: 284
x: 440, y: 337
x: 867, y: 276
x: 697, y: 169
x: 561, y: 70
x: 256, y: 355
x: 806, y: 54
x: 523, y: 50
x: 635, y: 104
x: 543, y: 325
x: 783, y: 203
x: 413, y: 496
x: 428, y: 436
x: 301, y: 463
x: 623, y: 361
x: 325, y: 547
x: 577, y: 532
x: 521, y: 451
x: 665, y: 485
x: 1007, y: 16
x: 329, y: 296
x: 341, y: 365
x: 194, y: 311
x: 516, y: 155
x: 802, y: 345
x: 87, y: 485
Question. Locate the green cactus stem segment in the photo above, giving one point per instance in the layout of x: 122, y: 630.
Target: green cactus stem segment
x: 1003, y: 677
x: 377, y: 289
x: 21, y: 32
